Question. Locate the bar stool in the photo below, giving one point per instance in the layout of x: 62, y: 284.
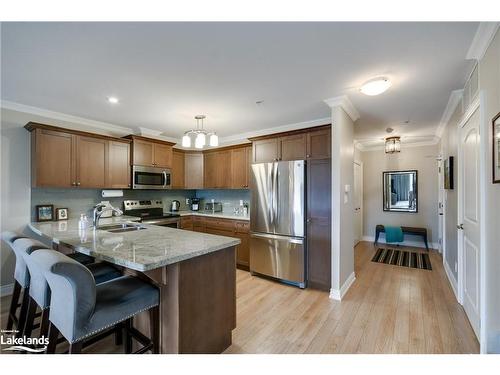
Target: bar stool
x: 22, y: 282
x: 39, y: 291
x: 81, y: 310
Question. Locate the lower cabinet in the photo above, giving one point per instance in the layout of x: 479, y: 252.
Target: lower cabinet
x: 223, y: 227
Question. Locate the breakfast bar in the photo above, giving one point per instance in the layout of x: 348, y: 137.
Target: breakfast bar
x: 195, y: 273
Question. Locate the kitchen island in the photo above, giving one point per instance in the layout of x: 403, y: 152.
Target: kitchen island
x: 195, y: 273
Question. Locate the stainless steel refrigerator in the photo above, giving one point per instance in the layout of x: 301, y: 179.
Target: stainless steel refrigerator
x: 277, y: 215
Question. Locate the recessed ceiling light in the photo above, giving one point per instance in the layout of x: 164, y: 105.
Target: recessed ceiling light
x: 375, y: 86
x: 113, y: 99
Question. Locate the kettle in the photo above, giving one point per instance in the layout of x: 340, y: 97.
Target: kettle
x: 175, y: 206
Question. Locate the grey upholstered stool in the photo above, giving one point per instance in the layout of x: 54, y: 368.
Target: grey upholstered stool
x: 39, y: 291
x: 81, y: 310
x: 22, y: 282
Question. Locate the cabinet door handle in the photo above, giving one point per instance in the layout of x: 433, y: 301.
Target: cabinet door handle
x: 73, y: 183
x: 78, y: 183
x: 308, y: 156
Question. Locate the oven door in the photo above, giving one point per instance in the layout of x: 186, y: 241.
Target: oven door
x: 150, y: 178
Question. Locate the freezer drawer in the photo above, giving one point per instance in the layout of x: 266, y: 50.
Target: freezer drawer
x: 279, y: 257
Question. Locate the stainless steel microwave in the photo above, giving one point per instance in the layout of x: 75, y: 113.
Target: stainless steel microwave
x: 151, y: 177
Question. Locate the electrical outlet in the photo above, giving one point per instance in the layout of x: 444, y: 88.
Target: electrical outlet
x: 187, y: 201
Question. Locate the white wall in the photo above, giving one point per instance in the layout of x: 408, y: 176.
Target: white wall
x: 15, y: 189
x: 423, y: 159
x: 489, y: 84
x: 342, y: 212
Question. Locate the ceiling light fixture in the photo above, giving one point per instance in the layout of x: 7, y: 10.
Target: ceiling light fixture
x: 200, y: 135
x: 113, y: 99
x: 392, y: 145
x: 375, y: 86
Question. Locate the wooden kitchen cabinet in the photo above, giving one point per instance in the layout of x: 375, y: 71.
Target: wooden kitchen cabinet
x: 178, y: 169
x: 91, y: 162
x: 293, y: 147
x: 223, y: 227
x: 240, y: 162
x: 187, y: 223
x: 193, y: 170
x: 318, y: 223
x: 306, y: 144
x: 118, y: 176
x: 151, y: 152
x: 70, y: 158
x: 52, y: 156
x: 266, y: 150
x: 319, y: 144
x: 217, y: 169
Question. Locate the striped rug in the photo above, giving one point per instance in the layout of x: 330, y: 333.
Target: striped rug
x: 403, y: 258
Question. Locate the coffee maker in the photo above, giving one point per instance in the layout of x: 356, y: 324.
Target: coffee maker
x: 195, y: 204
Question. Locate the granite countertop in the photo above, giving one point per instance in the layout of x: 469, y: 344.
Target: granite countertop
x: 140, y: 250
x: 222, y: 215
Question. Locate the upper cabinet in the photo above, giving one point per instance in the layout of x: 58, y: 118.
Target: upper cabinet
x: 66, y: 158
x: 178, y: 169
x: 217, y: 169
x: 193, y: 170
x: 297, y: 145
x: 240, y: 167
x: 319, y: 144
x: 150, y: 152
x: 118, y: 165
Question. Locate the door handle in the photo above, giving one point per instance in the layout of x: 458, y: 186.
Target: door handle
x: 460, y: 226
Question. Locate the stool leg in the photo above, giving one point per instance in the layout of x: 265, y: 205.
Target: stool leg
x: 154, y: 324
x: 75, y: 348
x: 53, y: 336
x: 128, y: 336
x: 119, y: 334
x: 30, y: 317
x: 44, y: 324
x: 23, y: 312
x: 13, y: 305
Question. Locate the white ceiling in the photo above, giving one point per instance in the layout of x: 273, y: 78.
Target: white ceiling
x: 165, y: 73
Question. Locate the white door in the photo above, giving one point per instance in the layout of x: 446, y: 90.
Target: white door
x: 358, y: 202
x: 469, y: 223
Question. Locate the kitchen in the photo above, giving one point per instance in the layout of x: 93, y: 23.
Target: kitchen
x: 155, y: 182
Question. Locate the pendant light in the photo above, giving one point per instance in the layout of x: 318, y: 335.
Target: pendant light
x: 392, y: 145
x: 200, y: 135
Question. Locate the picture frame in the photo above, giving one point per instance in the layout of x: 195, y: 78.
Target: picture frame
x: 495, y: 162
x: 61, y: 214
x: 448, y: 173
x: 44, y: 212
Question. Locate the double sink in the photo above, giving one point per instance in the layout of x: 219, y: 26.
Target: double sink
x: 120, y: 228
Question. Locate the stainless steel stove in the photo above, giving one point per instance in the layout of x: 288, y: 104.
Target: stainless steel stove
x: 151, y: 212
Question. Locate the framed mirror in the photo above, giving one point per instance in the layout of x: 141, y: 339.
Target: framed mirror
x: 400, y: 191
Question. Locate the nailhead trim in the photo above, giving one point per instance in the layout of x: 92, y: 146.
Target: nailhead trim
x: 113, y: 324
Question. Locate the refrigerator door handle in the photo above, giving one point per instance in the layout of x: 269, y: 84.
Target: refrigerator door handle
x: 270, y: 194
x: 275, y: 193
x: 296, y: 240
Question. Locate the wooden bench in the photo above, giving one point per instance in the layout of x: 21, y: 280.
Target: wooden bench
x: 422, y: 232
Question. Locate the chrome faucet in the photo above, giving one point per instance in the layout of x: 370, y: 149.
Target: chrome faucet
x: 98, y: 210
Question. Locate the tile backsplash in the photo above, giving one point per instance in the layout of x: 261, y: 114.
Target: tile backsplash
x: 230, y: 199
x: 80, y: 201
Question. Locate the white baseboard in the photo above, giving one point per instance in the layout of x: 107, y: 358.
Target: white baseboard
x: 381, y: 239
x: 451, y: 278
x: 339, y: 294
x: 6, y: 290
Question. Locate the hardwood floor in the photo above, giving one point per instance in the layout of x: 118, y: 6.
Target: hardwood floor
x: 388, y: 309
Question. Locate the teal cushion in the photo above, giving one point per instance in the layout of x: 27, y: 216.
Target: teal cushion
x: 393, y: 234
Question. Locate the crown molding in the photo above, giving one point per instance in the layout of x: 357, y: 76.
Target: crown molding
x: 243, y: 137
x: 63, y: 117
x: 455, y: 97
x: 482, y: 39
x: 344, y: 103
